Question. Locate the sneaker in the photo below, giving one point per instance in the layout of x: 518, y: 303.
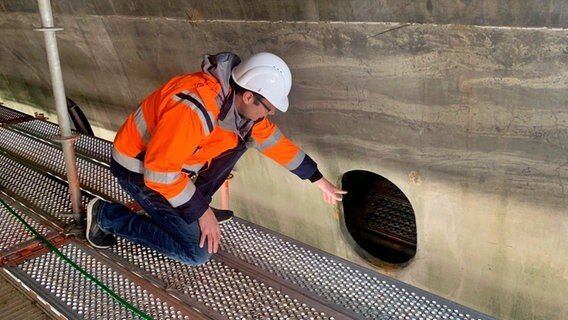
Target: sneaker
x: 223, y: 216
x: 94, y: 234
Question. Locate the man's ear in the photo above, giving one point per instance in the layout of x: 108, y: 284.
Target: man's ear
x: 248, y: 97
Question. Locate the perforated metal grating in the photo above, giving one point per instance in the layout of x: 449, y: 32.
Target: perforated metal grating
x: 385, y: 215
x: 85, y: 298
x: 389, y: 212
x: 41, y: 191
x: 303, y: 282
x: 12, y: 231
x: 366, y: 294
x: 220, y: 287
x: 93, y: 176
x: 87, y: 145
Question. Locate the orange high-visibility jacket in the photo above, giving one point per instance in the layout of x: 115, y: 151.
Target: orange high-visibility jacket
x: 176, y: 130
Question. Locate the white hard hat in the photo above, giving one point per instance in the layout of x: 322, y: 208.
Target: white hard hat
x: 266, y: 74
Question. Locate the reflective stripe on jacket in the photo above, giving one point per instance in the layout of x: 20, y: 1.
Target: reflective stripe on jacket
x: 269, y: 140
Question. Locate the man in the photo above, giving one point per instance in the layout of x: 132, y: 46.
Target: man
x: 196, y: 127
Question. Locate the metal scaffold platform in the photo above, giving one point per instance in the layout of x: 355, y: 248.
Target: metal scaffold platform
x: 257, y: 274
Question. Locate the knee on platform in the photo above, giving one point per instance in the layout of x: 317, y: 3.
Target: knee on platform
x: 197, y: 257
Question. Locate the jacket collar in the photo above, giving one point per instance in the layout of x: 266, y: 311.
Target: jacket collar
x: 220, y: 67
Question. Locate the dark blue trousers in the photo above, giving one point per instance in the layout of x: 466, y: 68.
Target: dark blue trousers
x: 165, y: 230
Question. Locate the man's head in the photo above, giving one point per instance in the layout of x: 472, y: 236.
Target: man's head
x: 262, y: 83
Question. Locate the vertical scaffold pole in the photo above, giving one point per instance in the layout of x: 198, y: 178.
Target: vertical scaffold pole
x: 66, y: 138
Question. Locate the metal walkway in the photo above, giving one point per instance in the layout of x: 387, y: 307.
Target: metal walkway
x: 257, y: 273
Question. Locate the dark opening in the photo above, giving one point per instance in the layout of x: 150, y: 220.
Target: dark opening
x: 379, y: 216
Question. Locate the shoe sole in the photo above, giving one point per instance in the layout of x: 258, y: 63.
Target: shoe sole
x: 90, y: 222
x: 225, y: 221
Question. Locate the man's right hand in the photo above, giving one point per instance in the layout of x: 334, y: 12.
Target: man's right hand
x: 209, y: 230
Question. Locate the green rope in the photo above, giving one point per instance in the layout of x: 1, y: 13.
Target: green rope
x: 74, y: 265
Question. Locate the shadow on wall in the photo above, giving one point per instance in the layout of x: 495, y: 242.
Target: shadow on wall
x: 379, y: 218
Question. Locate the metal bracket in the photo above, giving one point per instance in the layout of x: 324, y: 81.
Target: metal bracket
x: 76, y: 228
x: 58, y: 138
x: 15, y: 121
x: 48, y: 29
x: 31, y: 250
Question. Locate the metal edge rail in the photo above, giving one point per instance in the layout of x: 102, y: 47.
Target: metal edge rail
x: 12, y: 276
x: 42, y: 293
x: 22, y: 116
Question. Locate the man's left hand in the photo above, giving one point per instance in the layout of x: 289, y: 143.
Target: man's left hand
x: 331, y: 194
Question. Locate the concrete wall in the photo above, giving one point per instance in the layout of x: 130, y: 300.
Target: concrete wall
x: 464, y: 111
x: 521, y: 13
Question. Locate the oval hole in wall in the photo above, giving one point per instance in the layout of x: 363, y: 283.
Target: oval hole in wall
x: 379, y: 216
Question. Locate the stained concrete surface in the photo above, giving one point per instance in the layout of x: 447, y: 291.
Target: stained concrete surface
x: 469, y: 120
x: 520, y: 13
